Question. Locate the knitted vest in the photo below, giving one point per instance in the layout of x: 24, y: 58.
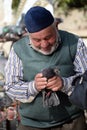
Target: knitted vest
x: 34, y: 114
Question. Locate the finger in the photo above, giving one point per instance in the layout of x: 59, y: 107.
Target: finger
x: 55, y: 84
x: 39, y: 75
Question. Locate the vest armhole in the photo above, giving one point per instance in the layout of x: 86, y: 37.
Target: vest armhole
x: 72, y: 51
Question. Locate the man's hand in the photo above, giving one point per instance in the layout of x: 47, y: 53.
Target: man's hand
x: 55, y: 83
x: 40, y: 82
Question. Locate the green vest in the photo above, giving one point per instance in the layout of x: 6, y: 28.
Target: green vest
x: 34, y: 114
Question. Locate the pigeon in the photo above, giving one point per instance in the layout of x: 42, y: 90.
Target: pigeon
x: 50, y: 98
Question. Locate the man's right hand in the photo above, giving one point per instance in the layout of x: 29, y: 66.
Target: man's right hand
x: 40, y: 81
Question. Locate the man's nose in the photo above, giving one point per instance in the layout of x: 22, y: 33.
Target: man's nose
x: 44, y: 43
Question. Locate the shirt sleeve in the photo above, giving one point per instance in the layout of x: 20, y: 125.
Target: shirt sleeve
x: 80, y: 65
x: 15, y: 87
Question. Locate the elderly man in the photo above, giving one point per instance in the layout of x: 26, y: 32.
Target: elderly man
x: 46, y: 47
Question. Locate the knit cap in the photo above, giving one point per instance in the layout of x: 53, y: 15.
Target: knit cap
x: 38, y: 18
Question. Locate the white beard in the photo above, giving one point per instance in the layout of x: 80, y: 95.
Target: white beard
x: 53, y: 48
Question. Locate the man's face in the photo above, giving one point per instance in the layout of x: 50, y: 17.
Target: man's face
x: 45, y: 40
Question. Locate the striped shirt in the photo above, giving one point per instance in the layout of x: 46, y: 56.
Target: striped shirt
x: 22, y: 91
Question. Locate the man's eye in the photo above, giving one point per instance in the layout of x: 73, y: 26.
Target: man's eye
x: 37, y: 40
x: 47, y: 38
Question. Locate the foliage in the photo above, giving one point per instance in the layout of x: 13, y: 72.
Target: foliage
x: 67, y: 5
x: 15, y: 4
x: 73, y: 3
